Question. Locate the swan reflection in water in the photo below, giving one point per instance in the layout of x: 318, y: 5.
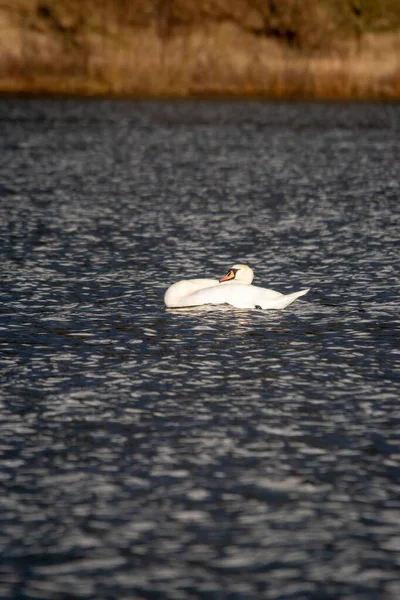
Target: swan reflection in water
x: 235, y: 288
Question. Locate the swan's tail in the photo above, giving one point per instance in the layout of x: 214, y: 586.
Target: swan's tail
x: 289, y: 298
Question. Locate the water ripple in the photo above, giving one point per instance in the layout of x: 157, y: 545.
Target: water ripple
x: 208, y: 452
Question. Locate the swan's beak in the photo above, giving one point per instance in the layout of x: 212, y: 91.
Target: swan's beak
x: 230, y: 275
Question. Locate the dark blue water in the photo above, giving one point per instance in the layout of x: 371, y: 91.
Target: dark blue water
x: 206, y: 453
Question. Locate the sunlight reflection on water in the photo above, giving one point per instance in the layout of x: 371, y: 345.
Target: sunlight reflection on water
x: 210, y: 452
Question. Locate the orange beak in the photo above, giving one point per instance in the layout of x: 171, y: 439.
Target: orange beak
x: 230, y: 275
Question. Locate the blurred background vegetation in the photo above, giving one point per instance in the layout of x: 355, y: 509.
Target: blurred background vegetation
x: 272, y: 48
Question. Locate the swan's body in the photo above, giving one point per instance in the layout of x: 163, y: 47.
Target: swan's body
x: 234, y: 288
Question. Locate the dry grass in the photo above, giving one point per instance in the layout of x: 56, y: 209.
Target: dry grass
x: 268, y: 48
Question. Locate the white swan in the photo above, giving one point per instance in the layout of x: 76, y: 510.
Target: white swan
x: 234, y: 288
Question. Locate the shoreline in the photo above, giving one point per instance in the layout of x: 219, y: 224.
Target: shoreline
x: 68, y: 49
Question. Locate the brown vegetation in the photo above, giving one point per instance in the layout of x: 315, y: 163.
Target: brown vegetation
x: 274, y: 48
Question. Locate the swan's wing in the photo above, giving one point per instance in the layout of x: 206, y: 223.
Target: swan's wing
x: 235, y: 294
x: 211, y: 295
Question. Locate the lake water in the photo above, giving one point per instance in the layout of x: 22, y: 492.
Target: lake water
x: 206, y: 453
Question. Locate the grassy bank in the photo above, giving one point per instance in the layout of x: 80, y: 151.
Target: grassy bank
x: 271, y: 48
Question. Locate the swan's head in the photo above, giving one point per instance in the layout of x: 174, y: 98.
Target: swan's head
x: 239, y: 274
